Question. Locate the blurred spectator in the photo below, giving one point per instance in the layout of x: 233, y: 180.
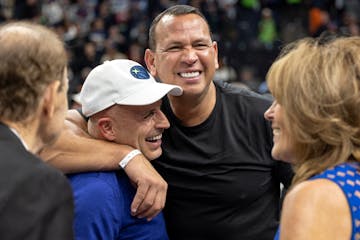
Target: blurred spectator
x: 267, y: 29
x: 136, y: 52
x: 52, y: 12
x: 111, y: 52
x: 249, y: 78
x: 116, y: 38
x: 225, y: 73
x: 26, y: 9
x: 2, y: 14
x: 353, y: 8
x: 88, y: 57
x: 318, y: 21
x: 350, y: 25
x: 82, y: 12
x: 250, y: 4
x: 82, y: 60
x: 249, y: 32
x: 97, y: 34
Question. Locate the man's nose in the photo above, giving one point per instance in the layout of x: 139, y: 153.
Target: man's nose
x: 190, y: 55
x: 161, y: 120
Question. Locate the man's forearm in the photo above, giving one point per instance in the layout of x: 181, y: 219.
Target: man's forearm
x: 76, y: 151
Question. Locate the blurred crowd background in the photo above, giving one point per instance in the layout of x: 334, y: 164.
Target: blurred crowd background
x: 250, y: 33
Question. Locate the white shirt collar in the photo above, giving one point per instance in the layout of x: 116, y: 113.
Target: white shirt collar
x: 18, y: 135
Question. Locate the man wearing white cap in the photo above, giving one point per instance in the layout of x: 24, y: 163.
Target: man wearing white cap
x: 122, y: 101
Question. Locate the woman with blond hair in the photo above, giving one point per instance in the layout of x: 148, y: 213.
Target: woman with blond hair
x: 316, y: 125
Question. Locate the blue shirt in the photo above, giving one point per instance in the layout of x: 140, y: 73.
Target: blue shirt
x: 102, y: 209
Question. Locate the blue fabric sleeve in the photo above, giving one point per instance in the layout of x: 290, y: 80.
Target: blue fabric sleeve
x: 95, y: 211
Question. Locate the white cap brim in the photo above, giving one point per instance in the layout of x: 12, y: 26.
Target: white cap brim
x: 150, y: 94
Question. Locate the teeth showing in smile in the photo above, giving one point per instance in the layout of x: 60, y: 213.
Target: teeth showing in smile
x: 276, y: 131
x: 189, y: 74
x: 155, y: 138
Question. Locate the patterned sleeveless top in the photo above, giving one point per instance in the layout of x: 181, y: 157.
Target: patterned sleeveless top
x: 347, y: 177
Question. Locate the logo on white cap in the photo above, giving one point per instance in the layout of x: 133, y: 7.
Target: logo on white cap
x: 139, y: 72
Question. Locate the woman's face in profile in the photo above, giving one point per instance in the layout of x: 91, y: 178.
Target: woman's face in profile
x: 283, y: 148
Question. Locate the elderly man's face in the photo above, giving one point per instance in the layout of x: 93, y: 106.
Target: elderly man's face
x: 140, y: 127
x: 51, y: 128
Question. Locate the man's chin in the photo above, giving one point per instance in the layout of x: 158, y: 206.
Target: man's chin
x: 153, y: 155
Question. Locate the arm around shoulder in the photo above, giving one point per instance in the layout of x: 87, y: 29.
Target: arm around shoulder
x: 76, y: 151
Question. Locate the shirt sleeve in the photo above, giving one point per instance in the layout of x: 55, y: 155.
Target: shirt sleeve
x: 97, y: 211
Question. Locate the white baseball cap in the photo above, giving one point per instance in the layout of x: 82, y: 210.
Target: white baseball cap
x: 124, y: 82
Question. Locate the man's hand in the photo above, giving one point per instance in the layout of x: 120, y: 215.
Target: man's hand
x: 151, y: 188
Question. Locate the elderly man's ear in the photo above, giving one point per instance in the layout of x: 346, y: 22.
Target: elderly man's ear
x: 49, y: 100
x: 106, y: 129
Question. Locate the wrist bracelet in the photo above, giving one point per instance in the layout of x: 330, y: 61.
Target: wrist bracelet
x: 128, y: 158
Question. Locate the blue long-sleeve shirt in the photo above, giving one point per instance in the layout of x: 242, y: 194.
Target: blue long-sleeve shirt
x: 102, y: 209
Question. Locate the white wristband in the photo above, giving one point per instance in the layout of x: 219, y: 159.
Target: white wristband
x: 128, y: 158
